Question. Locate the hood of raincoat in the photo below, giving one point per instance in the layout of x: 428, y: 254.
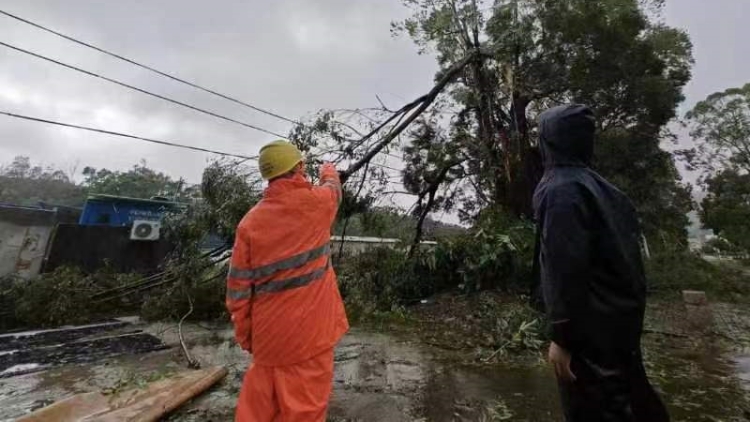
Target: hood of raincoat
x: 566, y: 136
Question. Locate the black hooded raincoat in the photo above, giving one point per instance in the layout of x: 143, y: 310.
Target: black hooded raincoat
x: 591, y: 274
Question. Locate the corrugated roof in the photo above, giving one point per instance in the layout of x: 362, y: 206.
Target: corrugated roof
x: 109, y: 198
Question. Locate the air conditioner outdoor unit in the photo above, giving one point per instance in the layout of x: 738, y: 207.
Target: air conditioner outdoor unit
x: 145, y: 230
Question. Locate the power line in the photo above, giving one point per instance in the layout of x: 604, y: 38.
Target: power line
x: 125, y: 135
x: 149, y: 68
x: 143, y: 91
x: 157, y: 71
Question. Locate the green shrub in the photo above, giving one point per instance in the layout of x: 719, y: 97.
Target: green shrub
x: 68, y: 296
x: 669, y: 273
x: 383, y: 279
x: 722, y: 246
x: 207, y: 292
x: 496, y: 254
x: 61, y: 297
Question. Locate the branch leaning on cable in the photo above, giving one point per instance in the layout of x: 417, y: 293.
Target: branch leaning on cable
x: 412, y: 110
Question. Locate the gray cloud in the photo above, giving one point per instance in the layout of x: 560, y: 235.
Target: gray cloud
x: 293, y: 57
x: 290, y: 56
x: 718, y: 31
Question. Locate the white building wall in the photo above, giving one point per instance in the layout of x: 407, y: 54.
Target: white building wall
x: 24, y: 235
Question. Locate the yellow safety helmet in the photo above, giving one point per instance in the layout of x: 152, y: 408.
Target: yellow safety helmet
x: 277, y: 158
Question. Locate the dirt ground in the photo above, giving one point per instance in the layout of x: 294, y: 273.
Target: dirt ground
x: 387, y: 374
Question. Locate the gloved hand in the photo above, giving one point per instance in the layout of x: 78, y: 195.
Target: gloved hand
x: 243, y: 336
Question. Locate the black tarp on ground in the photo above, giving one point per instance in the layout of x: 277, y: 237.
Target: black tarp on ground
x: 38, y: 350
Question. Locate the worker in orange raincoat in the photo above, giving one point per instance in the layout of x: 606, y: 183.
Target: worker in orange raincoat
x: 282, y: 292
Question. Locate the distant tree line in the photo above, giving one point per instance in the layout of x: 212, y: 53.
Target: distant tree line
x: 25, y: 183
x: 720, y: 128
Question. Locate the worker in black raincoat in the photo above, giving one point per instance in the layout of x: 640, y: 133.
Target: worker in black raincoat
x: 592, y: 278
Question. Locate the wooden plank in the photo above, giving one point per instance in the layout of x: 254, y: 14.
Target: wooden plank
x: 74, y: 408
x: 148, y: 405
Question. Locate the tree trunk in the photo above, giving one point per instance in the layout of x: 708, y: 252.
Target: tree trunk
x: 490, y: 136
x: 525, y: 161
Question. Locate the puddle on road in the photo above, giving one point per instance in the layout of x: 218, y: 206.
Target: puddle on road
x: 20, y: 395
x: 699, y: 381
x: 502, y: 392
x: 742, y: 364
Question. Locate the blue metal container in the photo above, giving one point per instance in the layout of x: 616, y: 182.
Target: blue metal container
x: 119, y: 211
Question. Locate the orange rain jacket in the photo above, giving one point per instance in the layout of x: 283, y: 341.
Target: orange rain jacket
x: 281, y: 289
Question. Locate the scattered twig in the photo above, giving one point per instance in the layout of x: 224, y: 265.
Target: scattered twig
x: 443, y: 346
x: 192, y: 364
x: 382, y: 104
x: 664, y: 333
x: 496, y: 352
x: 734, y: 339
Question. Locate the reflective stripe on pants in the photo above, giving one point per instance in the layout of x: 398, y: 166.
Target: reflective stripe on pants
x: 293, y: 393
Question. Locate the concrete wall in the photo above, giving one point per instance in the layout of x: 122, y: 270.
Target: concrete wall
x: 24, y: 234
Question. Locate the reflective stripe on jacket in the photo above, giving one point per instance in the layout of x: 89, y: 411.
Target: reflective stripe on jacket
x: 281, y: 289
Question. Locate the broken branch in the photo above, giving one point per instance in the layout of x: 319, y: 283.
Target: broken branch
x: 192, y: 364
x: 423, y: 103
x: 430, y: 193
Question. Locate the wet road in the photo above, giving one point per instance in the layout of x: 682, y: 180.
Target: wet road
x: 381, y: 378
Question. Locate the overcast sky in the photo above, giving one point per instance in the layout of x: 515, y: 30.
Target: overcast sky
x: 290, y: 56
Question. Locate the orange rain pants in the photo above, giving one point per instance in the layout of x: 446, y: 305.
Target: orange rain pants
x: 292, y: 393
x: 284, y: 300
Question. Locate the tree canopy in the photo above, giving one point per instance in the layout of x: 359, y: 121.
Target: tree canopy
x: 469, y: 144
x: 24, y: 183
x: 138, y: 182
x: 720, y: 128
x: 726, y: 208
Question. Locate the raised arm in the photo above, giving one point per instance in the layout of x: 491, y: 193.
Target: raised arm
x: 329, y: 191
